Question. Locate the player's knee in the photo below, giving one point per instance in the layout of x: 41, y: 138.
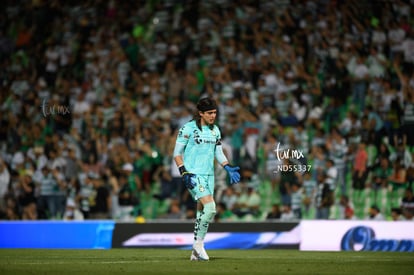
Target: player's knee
x: 210, y: 210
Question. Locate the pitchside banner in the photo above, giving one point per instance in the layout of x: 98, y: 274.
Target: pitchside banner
x: 220, y: 235
x: 357, y: 236
x: 56, y: 234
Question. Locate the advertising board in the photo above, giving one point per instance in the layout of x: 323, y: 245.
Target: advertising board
x: 357, y: 236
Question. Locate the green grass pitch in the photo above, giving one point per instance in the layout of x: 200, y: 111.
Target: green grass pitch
x: 176, y: 261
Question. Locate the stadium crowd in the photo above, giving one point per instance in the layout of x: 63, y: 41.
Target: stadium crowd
x: 316, y: 104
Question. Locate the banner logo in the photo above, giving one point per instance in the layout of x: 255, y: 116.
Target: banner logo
x: 362, y: 238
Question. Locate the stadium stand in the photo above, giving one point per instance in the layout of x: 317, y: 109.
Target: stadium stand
x: 93, y: 92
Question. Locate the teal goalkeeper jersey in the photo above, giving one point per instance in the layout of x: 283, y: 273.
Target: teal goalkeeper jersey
x: 200, y: 147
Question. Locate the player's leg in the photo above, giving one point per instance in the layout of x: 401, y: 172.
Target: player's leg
x: 206, y: 210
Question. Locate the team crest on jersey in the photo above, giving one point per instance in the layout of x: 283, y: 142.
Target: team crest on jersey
x: 201, y: 188
x: 213, y: 133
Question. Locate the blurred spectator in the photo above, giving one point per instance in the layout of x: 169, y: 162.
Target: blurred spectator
x: 383, y: 152
x: 287, y: 179
x: 4, y: 183
x: 410, y: 176
x: 174, y: 211
x: 407, y: 44
x: 301, y: 137
x: 60, y: 192
x: 397, y: 183
x: 349, y: 213
x: 287, y: 214
x: 229, y: 198
x: 360, y: 171
x: 72, y: 165
x: 84, y: 196
x: 346, y: 207
x: 220, y: 185
x: 12, y: 210
x: 324, y: 198
x: 72, y: 212
x: 408, y: 215
x: 163, y: 176
x: 188, y: 205
x: 271, y: 162
x: 408, y: 113
x: 375, y: 214
x: 52, y: 63
x: 223, y: 214
x: 396, y: 214
x: 359, y: 74
x: 407, y: 201
x: 376, y: 60
x: 337, y: 147
x: 319, y: 160
x: 127, y: 200
x: 51, y: 201
x: 380, y: 176
x: 248, y: 203
x: 296, y: 200
x: 375, y: 123
x: 176, y: 183
x: 401, y: 154
x: 27, y: 198
x: 309, y: 186
x: 134, y: 185
x: 100, y: 207
x: 331, y: 174
x: 275, y: 212
x: 38, y: 157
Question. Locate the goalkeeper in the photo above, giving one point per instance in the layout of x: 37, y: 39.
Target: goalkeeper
x: 197, y: 145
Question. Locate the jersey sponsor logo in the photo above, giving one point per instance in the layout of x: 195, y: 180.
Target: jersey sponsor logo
x: 199, y: 140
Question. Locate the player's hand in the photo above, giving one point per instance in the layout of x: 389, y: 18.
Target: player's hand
x: 189, y: 180
x: 233, y: 173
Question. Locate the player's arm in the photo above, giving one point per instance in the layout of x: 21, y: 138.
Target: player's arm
x: 180, y: 144
x: 219, y: 154
x: 222, y: 159
x: 178, y: 156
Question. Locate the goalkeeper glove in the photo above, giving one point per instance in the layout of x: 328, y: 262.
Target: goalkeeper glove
x: 233, y: 173
x: 187, y: 178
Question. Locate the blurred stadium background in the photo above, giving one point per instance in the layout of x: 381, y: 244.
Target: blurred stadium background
x: 93, y: 92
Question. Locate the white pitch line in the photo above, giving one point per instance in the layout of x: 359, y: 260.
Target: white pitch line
x: 100, y: 262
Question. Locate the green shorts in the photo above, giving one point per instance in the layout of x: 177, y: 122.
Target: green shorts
x: 204, y: 187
